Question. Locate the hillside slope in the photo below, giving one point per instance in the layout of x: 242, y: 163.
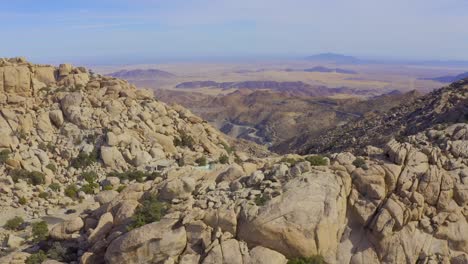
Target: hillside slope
x: 443, y: 106
x: 124, y: 187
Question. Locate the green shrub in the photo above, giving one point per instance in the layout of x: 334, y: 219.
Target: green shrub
x: 359, y: 162
x: 52, y: 167
x: 315, y: 259
x: 89, y: 176
x: 90, y: 188
x: 14, y: 223
x: 58, y: 252
x: 84, y: 160
x: 40, y: 231
x: 224, y: 159
x: 121, y: 188
x: 107, y: 188
x: 46, y: 147
x: 55, y: 187
x: 71, y: 191
x: 228, y: 149
x: 36, y: 258
x: 316, y: 160
x: 261, y: 200
x: 33, y: 177
x: 201, y: 161
x: 4, y: 155
x: 291, y: 161
x: 36, y: 178
x: 150, y: 210
x: 23, y: 200
x: 184, y: 141
x: 44, y: 195
x: 136, y: 175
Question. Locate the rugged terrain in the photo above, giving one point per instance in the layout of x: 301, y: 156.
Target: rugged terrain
x: 271, y: 118
x: 143, y: 194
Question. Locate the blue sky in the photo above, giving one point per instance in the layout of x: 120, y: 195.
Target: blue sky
x: 145, y: 30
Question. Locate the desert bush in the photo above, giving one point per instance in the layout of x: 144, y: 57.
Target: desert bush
x: 89, y: 176
x: 71, y: 191
x: 224, y: 159
x: 316, y: 160
x: 55, y: 187
x: 84, y: 160
x: 52, y: 167
x: 359, y: 162
x: 136, y: 175
x: 14, y: 223
x: 121, y: 188
x: 36, y: 258
x: 43, y: 195
x: 291, y: 161
x: 107, y: 188
x: 4, y: 155
x: 59, y: 252
x: 315, y: 259
x: 261, y: 200
x: 201, y: 161
x: 150, y: 210
x: 228, y: 148
x: 40, y: 231
x: 22, y: 200
x: 90, y: 188
x: 184, y: 141
x: 31, y: 177
x: 46, y: 147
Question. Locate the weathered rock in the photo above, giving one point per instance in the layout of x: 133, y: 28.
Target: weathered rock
x: 151, y: 243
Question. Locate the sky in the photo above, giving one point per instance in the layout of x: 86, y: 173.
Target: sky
x: 151, y: 30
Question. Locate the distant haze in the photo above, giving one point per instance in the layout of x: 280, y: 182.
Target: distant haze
x: 133, y: 31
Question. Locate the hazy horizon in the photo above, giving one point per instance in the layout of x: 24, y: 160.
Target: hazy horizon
x: 124, y: 31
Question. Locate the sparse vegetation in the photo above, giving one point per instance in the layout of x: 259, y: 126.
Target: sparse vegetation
x: 201, y: 161
x: 228, y: 148
x: 316, y: 160
x: 90, y: 188
x: 55, y: 187
x: 71, y: 191
x: 121, y: 188
x: 52, y: 167
x: 184, y: 141
x: 291, y: 161
x: 261, y: 200
x: 22, y: 200
x: 59, y: 252
x: 315, y: 259
x: 89, y: 176
x: 224, y: 159
x: 36, y: 258
x: 84, y: 160
x: 43, y: 195
x: 4, y: 155
x: 46, y: 147
x: 40, y: 231
x: 136, y: 175
x: 150, y: 210
x: 31, y: 177
x: 14, y: 223
x: 359, y: 163
x: 107, y: 188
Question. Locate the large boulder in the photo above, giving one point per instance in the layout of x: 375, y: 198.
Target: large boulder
x: 307, y: 219
x: 151, y: 243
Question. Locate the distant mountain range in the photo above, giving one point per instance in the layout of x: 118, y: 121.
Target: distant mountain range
x: 448, y: 78
x: 141, y: 74
x: 325, y: 69
x: 334, y: 58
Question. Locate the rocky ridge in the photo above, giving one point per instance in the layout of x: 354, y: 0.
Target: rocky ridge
x: 403, y: 202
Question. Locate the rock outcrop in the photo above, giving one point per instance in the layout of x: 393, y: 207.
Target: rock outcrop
x: 137, y: 160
